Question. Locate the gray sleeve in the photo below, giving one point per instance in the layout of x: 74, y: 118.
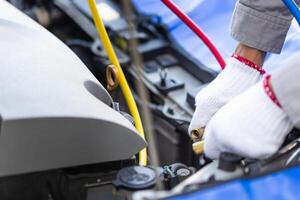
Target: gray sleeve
x: 261, y: 24
x: 286, y: 85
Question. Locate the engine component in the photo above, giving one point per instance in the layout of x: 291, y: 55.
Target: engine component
x: 151, y: 66
x: 112, y: 77
x: 198, y: 144
x: 167, y: 60
x: 197, y: 134
x: 166, y: 85
x: 207, y: 174
x: 136, y: 177
x: 54, y: 113
x: 229, y: 162
x: 198, y: 147
x: 175, y: 173
x: 191, y: 95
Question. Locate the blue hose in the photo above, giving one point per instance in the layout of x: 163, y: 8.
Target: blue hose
x: 292, y: 6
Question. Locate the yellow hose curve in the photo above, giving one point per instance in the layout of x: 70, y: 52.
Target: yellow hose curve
x: 123, y: 83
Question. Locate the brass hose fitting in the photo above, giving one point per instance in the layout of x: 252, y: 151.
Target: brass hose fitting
x: 197, y: 134
x: 198, y: 145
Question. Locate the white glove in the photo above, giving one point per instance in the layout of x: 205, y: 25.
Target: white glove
x: 232, y: 81
x: 251, y: 125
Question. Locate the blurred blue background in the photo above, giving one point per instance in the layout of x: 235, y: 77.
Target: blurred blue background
x: 213, y: 17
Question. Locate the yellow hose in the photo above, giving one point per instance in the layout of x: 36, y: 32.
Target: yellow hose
x: 123, y: 83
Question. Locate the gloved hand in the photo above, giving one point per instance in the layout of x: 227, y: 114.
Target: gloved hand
x: 250, y: 125
x: 232, y: 81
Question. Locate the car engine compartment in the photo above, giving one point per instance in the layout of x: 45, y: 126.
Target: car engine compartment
x: 77, y: 99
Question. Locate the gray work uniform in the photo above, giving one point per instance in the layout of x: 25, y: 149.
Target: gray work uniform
x: 263, y: 24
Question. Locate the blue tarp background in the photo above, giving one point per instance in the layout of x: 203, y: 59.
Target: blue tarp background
x: 213, y: 17
x: 282, y: 185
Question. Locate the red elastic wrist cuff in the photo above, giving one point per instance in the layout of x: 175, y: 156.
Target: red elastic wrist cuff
x: 248, y: 63
x: 269, y: 91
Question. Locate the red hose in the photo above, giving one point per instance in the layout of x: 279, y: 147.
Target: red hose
x: 196, y: 29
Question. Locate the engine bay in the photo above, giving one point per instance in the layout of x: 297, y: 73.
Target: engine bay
x: 105, y: 166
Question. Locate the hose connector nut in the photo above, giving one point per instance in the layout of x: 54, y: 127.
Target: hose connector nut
x: 197, y: 134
